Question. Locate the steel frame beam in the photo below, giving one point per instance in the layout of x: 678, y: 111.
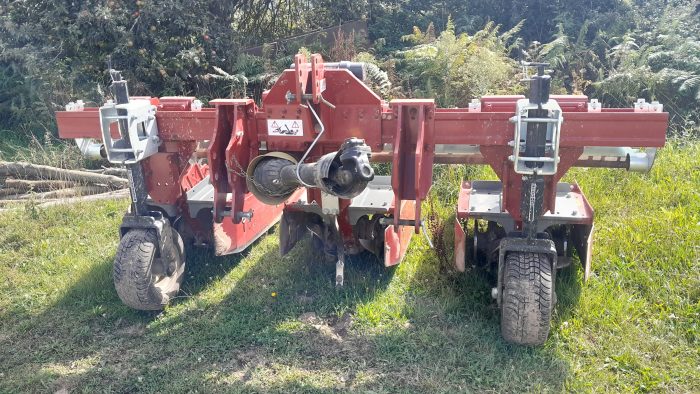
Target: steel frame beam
x: 403, y: 132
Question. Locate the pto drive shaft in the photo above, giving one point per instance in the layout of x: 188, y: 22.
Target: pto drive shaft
x: 273, y: 177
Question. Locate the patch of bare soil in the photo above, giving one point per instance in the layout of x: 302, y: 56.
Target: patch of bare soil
x: 333, y: 336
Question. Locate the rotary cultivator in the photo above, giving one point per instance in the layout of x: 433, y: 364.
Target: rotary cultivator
x: 221, y: 176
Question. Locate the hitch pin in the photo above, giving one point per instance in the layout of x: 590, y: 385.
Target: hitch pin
x: 291, y: 97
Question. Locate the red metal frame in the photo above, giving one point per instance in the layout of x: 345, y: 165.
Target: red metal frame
x: 411, y: 128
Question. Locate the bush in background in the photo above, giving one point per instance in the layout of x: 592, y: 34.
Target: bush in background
x: 56, y: 51
x: 457, y: 68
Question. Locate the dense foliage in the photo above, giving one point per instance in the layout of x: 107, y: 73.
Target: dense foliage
x: 455, y: 68
x: 540, y: 18
x: 662, y: 62
x: 54, y: 51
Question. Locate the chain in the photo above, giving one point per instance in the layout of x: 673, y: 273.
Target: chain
x: 239, y: 171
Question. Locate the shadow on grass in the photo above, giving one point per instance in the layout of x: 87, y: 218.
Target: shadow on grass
x: 259, y: 322
x: 88, y: 339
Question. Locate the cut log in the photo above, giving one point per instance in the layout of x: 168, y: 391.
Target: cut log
x: 25, y: 170
x: 23, y: 185
x: 116, y: 171
x: 15, y: 201
x: 64, y: 193
x: 113, y: 195
x: 120, y: 172
x: 9, y: 191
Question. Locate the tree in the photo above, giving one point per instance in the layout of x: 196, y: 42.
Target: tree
x: 55, y: 51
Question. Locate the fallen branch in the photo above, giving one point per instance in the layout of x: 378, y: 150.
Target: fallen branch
x: 120, y: 172
x: 63, y: 193
x: 22, y: 185
x: 9, y: 191
x: 113, y: 195
x: 34, y: 171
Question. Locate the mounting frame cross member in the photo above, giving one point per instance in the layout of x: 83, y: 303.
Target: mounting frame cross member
x: 201, y: 175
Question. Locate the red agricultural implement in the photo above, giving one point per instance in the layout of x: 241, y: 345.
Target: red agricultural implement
x: 222, y: 176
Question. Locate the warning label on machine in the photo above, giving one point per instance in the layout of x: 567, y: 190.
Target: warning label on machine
x: 285, y: 127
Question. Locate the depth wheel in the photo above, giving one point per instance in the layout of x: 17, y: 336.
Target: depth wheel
x: 143, y: 279
x: 526, y: 306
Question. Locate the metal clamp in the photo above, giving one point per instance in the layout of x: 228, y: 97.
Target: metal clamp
x: 142, y: 131
x: 521, y: 120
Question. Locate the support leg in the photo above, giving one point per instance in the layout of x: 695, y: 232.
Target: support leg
x: 137, y: 188
x: 339, y: 252
x: 340, y: 269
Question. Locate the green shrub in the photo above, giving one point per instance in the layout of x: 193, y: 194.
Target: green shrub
x: 55, y: 51
x: 662, y: 64
x: 457, y: 68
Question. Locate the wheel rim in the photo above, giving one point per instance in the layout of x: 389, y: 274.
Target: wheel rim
x: 160, y: 278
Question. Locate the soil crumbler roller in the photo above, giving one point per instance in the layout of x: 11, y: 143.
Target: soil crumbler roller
x: 222, y: 176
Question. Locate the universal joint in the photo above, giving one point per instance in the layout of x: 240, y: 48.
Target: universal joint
x: 272, y: 178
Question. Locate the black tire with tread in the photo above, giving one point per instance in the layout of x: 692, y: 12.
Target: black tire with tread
x: 132, y: 271
x: 528, y: 295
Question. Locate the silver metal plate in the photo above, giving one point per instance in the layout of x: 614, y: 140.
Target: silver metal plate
x: 376, y: 198
x: 201, y: 196
x: 485, y: 202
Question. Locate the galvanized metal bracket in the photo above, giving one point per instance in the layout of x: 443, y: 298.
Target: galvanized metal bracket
x: 141, y: 137
x: 521, y: 120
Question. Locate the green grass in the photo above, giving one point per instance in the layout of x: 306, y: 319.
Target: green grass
x: 417, y: 328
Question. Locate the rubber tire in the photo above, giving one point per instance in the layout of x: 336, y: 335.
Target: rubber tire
x: 317, y: 243
x: 132, y: 271
x: 527, y: 303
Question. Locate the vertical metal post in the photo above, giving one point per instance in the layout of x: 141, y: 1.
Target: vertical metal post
x: 137, y: 182
x: 536, y: 138
x: 532, y: 195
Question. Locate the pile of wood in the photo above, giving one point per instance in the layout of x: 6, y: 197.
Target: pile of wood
x: 45, y: 185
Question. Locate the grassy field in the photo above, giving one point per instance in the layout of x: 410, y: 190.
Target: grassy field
x: 256, y: 322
